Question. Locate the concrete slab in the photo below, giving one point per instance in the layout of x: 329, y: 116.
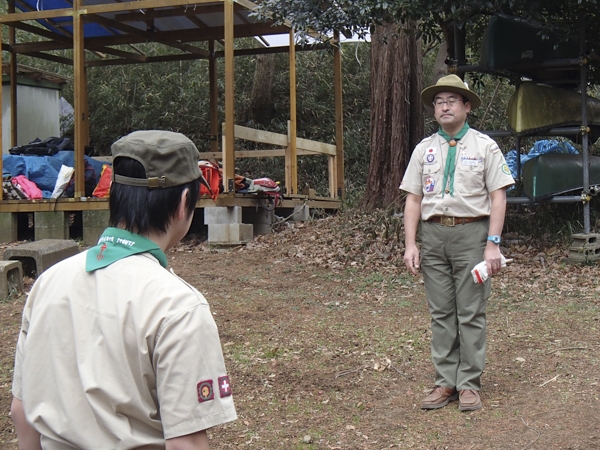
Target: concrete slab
x: 38, y: 256
x: 94, y: 224
x: 230, y: 234
x: 222, y: 214
x: 11, y: 279
x: 51, y: 225
x: 9, y: 227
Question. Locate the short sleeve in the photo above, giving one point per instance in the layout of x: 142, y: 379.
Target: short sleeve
x: 17, y: 385
x: 412, y: 180
x: 497, y: 171
x: 193, y: 388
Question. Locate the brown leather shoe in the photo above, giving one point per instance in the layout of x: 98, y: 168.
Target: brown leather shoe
x: 469, y: 400
x: 439, y: 397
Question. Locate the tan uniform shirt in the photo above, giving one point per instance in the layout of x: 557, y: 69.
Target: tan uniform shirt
x: 480, y: 169
x: 119, y: 358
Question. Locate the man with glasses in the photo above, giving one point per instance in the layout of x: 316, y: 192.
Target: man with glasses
x: 456, y: 184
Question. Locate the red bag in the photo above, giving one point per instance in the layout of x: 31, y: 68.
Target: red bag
x: 212, y: 177
x: 102, y: 190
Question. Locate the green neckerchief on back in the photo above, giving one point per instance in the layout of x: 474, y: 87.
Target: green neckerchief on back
x: 116, y: 244
x: 450, y: 168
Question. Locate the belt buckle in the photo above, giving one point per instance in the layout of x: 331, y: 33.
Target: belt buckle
x: 447, y: 221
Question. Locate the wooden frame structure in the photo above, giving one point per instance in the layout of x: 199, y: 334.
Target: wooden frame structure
x: 108, y: 30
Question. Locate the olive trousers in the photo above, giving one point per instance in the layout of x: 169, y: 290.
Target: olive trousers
x: 456, y: 303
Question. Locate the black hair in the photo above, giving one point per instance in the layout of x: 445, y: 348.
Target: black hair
x: 139, y: 209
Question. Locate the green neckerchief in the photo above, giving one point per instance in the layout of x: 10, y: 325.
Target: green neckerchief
x: 448, y: 184
x: 116, y: 244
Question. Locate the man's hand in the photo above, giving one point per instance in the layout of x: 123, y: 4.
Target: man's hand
x: 411, y: 259
x: 412, y: 213
x: 492, y: 258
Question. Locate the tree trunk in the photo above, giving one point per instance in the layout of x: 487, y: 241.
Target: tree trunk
x: 261, y: 108
x: 396, y: 111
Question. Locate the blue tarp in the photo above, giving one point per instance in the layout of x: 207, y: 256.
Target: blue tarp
x: 43, y: 170
x: 539, y: 148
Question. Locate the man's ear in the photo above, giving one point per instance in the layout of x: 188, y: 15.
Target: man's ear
x: 181, y: 209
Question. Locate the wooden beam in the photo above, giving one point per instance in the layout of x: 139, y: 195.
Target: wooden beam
x: 272, y: 153
x: 79, y: 116
x: 228, y: 146
x: 291, y: 157
x: 54, y: 58
x: 262, y: 136
x: 35, y: 15
x: 336, y: 188
x: 213, y: 98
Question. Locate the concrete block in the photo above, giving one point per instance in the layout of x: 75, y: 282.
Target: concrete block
x: 301, y: 213
x: 94, y: 224
x: 222, y: 214
x: 51, y: 225
x: 584, y: 248
x: 11, y: 278
x: 9, y: 227
x: 38, y: 256
x: 230, y: 234
x: 261, y: 218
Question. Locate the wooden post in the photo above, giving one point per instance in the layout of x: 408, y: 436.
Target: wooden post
x: 86, y: 110
x: 13, y: 81
x: 336, y: 176
x: 214, y: 98
x: 80, y: 118
x: 228, y: 151
x: 1, y: 115
x: 291, y: 158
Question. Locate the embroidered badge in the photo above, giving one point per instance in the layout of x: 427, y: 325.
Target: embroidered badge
x: 495, y: 149
x: 224, y: 386
x: 430, y: 158
x: 505, y: 169
x: 205, y: 391
x: 430, y: 151
x: 429, y: 184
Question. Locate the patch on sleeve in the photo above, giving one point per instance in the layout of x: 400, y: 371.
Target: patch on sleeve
x: 495, y: 149
x: 505, y: 169
x: 205, y: 391
x: 224, y: 386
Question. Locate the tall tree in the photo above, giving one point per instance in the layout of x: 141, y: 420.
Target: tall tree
x: 261, y: 108
x: 396, y: 110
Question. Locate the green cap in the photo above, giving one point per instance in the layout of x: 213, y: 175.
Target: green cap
x: 169, y: 159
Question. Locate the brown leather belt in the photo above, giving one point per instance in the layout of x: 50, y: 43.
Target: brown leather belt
x: 449, y: 221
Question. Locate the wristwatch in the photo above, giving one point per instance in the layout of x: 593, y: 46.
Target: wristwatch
x: 495, y: 239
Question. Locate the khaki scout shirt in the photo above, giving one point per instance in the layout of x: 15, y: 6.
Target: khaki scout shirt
x: 480, y: 169
x: 119, y: 358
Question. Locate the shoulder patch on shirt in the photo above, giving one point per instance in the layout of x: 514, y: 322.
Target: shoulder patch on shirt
x: 224, y: 386
x: 205, y: 391
x: 495, y: 149
x: 505, y: 169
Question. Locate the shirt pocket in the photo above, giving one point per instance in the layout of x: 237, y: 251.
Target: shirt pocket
x: 432, y: 179
x: 470, y: 179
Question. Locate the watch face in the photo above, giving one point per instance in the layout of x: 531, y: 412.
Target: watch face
x: 494, y: 239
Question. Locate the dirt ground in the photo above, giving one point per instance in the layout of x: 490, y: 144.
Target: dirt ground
x: 326, y: 340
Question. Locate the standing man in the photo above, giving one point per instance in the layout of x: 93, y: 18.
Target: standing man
x: 456, y: 182
x: 116, y: 351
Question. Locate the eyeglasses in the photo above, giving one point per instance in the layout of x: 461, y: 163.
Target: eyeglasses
x: 450, y: 102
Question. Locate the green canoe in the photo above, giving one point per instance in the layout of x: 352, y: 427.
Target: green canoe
x: 555, y: 173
